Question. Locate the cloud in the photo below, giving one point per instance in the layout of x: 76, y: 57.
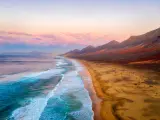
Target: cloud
x: 53, y: 39
x: 89, y: 38
x: 59, y: 43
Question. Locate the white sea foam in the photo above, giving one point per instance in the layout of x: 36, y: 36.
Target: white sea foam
x: 35, y: 108
x: 71, y: 83
x: 80, y: 68
x: 61, y: 62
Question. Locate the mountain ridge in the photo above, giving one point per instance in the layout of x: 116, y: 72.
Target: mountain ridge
x: 135, y: 48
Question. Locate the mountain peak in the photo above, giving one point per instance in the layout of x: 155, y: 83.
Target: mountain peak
x: 110, y: 45
x: 144, y: 39
x: 113, y: 42
x: 89, y: 48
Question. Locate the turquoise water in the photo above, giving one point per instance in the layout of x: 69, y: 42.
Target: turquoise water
x: 54, y: 94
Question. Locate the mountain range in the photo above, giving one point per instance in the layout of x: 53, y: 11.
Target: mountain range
x: 136, y: 48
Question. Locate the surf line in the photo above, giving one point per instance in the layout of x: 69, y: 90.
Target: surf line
x: 77, y: 71
x: 34, y: 110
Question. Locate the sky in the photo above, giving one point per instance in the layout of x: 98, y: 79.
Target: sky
x: 61, y: 25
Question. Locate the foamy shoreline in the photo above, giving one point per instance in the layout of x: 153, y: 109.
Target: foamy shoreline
x: 87, y: 80
x: 68, y: 99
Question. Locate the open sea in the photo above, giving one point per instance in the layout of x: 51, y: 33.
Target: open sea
x: 43, y: 89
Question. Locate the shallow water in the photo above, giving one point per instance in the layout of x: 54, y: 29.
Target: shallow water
x: 54, y: 94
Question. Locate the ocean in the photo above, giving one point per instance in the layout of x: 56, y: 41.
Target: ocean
x: 43, y: 89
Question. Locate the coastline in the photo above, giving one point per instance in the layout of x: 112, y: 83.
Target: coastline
x: 97, y: 96
x: 88, y: 84
x: 123, y: 92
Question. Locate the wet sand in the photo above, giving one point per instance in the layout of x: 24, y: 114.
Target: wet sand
x: 96, y: 101
x: 123, y: 92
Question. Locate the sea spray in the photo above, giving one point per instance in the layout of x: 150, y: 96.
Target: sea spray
x: 33, y: 111
x: 68, y: 100
x: 35, y: 108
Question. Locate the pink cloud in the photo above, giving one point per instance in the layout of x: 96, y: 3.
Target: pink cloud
x: 53, y: 39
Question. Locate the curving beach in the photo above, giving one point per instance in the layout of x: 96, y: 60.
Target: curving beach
x: 88, y: 83
x: 123, y: 92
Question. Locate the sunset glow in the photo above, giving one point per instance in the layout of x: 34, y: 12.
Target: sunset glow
x: 76, y: 22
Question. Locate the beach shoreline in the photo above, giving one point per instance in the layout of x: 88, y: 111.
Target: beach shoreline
x: 96, y: 96
x: 122, y: 92
x: 88, y: 84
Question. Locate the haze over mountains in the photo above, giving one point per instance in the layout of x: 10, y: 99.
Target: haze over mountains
x: 136, y: 48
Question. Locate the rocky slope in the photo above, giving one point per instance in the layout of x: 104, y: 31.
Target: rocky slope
x: 136, y: 48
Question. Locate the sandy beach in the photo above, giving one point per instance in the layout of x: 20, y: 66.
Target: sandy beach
x: 123, y: 92
x: 96, y: 101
